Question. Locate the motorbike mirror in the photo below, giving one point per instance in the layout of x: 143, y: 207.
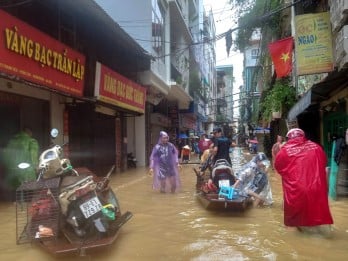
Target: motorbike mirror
x: 54, y: 133
x: 23, y: 165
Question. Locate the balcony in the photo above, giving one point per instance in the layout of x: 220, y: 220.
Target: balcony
x: 179, y: 21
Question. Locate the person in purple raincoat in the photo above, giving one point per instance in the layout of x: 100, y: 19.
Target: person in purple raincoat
x: 164, y: 165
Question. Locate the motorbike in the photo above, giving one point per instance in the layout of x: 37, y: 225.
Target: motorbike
x: 131, y: 160
x: 67, y: 210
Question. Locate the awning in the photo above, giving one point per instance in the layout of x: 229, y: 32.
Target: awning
x: 300, y: 106
x: 321, y: 91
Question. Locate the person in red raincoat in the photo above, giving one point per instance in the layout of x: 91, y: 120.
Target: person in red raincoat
x: 301, y: 164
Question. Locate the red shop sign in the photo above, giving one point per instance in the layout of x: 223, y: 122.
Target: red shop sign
x: 34, y: 56
x: 111, y: 87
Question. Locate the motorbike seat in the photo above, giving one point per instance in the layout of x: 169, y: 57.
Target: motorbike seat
x: 223, y: 173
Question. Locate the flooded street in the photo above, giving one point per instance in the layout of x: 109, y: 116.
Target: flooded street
x: 177, y: 227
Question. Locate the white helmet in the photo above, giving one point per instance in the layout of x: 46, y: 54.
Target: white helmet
x: 51, y: 164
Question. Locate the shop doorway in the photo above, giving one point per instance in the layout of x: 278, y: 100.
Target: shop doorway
x: 334, y: 123
x: 17, y: 112
x: 92, y: 139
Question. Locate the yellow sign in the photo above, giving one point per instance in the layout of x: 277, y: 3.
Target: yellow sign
x: 313, y: 44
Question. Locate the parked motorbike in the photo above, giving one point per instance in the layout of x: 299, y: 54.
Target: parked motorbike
x: 67, y: 209
x: 131, y: 161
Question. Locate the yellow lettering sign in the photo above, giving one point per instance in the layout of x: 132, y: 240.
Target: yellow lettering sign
x: 26, y: 47
x: 109, y: 84
x: 138, y: 97
x: 129, y: 92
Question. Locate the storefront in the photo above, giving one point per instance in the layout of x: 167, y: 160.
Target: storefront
x: 118, y: 121
x: 324, y: 99
x: 37, y: 74
x: 188, y: 124
x: 159, y: 123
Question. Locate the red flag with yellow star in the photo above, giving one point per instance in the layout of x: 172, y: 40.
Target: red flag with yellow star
x: 281, y: 53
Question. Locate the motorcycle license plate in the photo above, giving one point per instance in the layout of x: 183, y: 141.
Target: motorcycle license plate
x: 90, y: 207
x: 224, y: 183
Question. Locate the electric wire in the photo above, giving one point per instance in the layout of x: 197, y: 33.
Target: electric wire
x: 222, y: 35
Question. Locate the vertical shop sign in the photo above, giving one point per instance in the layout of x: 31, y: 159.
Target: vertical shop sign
x: 173, y: 115
x: 313, y: 43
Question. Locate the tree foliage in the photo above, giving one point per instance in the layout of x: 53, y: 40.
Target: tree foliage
x: 242, y: 6
x: 256, y: 15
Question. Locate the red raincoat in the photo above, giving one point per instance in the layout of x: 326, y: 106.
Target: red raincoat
x: 301, y: 163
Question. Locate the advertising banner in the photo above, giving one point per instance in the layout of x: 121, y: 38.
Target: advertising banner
x: 313, y: 43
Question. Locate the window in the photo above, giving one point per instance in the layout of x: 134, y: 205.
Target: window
x: 158, y: 27
x: 67, y: 29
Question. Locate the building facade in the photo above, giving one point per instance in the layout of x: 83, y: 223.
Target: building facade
x: 68, y: 65
x: 171, y: 33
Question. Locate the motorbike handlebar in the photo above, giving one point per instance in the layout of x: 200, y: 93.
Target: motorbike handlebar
x: 103, y: 183
x: 110, y: 172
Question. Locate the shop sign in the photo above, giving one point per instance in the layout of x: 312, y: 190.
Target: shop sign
x: 173, y: 114
x: 113, y: 88
x: 313, y: 43
x: 188, y: 122
x: 36, y: 57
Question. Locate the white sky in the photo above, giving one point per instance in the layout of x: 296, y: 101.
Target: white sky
x: 224, y: 20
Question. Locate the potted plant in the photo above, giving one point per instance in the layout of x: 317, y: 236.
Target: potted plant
x: 278, y: 100
x: 276, y: 115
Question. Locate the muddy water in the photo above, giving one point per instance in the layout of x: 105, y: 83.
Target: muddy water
x: 176, y: 227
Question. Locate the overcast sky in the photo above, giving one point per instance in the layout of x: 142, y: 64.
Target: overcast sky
x: 225, y: 20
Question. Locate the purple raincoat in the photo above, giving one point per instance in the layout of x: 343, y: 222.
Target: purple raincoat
x: 164, y: 162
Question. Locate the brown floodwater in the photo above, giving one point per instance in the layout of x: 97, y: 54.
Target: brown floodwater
x: 177, y: 227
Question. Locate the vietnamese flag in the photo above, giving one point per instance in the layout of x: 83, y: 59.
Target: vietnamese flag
x: 281, y: 53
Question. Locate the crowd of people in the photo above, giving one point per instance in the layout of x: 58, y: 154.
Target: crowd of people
x: 300, y: 162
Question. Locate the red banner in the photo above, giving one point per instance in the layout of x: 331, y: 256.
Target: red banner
x: 113, y: 88
x: 281, y: 53
x: 34, y: 56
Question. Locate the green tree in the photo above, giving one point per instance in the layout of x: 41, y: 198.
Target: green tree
x: 261, y: 14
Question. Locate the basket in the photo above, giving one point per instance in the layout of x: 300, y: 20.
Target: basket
x: 37, y: 210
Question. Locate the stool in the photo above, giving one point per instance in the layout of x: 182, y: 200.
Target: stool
x: 226, y: 192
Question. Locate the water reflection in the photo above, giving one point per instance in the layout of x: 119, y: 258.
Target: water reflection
x: 177, y: 227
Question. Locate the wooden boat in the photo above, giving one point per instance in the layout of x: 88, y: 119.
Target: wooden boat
x: 223, y: 197
x: 62, y: 241
x: 72, y: 245
x: 212, y: 201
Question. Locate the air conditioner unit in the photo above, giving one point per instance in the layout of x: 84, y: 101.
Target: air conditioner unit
x: 338, y: 13
x: 341, y: 47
